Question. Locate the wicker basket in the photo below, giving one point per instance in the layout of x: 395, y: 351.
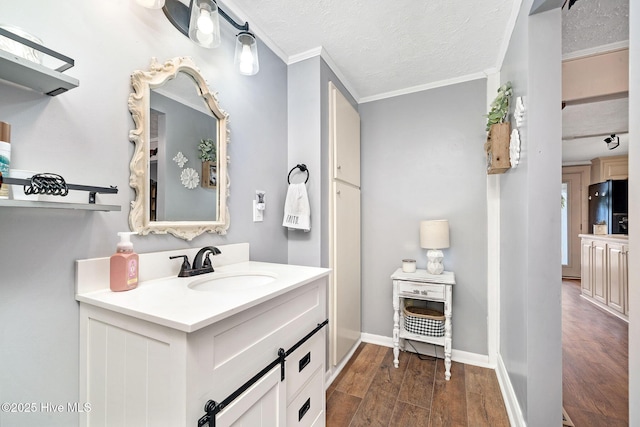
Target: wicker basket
x: 422, y: 320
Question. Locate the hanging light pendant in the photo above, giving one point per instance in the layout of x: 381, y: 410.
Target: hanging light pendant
x: 204, y: 26
x: 246, y: 56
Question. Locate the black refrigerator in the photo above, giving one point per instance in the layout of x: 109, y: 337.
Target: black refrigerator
x: 608, y: 202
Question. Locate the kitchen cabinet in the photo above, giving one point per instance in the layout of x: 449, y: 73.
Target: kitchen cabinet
x: 138, y: 372
x: 612, y: 167
x: 600, y: 271
x: 605, y: 277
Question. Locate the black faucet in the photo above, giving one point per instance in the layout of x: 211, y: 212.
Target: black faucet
x: 200, y: 266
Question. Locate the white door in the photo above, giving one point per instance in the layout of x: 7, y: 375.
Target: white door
x: 347, y: 289
x: 573, y: 218
x: 262, y: 405
x: 345, y: 134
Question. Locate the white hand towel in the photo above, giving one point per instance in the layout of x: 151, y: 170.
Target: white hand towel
x: 297, y: 214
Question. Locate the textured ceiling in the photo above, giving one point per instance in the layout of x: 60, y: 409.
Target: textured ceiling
x: 591, y: 23
x: 384, y: 47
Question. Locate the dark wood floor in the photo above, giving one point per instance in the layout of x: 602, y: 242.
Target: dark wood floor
x: 595, y: 375
x: 371, y: 392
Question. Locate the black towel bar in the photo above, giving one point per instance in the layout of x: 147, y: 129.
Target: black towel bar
x: 303, y: 168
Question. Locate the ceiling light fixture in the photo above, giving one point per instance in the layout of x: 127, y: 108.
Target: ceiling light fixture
x: 200, y: 22
x: 612, y: 142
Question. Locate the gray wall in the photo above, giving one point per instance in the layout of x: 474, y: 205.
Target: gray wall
x: 83, y: 135
x: 308, y: 95
x: 530, y: 274
x: 423, y: 158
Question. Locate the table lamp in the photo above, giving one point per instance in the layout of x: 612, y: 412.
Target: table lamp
x: 434, y: 235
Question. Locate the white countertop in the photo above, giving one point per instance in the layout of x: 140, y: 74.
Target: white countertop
x: 170, y: 302
x: 610, y: 237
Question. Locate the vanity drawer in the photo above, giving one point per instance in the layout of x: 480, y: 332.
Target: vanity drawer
x: 414, y: 290
x: 303, y: 362
x: 308, y: 405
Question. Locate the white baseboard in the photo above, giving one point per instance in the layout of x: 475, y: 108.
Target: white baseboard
x: 460, y: 356
x: 509, y: 396
x: 334, y: 371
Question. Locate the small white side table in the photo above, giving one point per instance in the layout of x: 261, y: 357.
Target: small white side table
x: 428, y: 287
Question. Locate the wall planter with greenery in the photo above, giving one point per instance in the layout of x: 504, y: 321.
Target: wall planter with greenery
x: 497, y: 145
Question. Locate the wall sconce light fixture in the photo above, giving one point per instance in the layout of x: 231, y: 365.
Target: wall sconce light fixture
x: 200, y: 22
x: 612, y: 141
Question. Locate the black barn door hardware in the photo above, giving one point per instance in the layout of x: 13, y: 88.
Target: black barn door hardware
x: 212, y: 408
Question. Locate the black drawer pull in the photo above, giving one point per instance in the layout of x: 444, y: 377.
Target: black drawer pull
x: 304, y: 362
x: 304, y: 409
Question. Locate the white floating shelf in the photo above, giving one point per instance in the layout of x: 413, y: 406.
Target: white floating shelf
x: 29, y: 74
x: 58, y: 205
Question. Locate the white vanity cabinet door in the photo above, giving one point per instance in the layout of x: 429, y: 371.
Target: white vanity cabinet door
x: 262, y: 405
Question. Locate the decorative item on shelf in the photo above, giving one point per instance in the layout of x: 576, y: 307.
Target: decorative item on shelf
x: 5, y: 156
x: 17, y: 191
x: 434, y: 235
x: 600, y: 228
x: 518, y: 113
x: 199, y: 20
x: 514, y: 148
x: 422, y: 320
x: 497, y: 145
x: 19, y: 49
x: 408, y: 265
x: 209, y: 156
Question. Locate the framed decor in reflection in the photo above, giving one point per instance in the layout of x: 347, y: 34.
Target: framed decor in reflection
x: 209, y: 175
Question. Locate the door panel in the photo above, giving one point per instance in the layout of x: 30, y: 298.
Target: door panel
x: 346, y: 138
x: 574, y: 219
x: 346, y: 292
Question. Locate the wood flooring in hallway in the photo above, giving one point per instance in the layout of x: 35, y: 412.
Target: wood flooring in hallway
x: 595, y: 375
x: 371, y: 392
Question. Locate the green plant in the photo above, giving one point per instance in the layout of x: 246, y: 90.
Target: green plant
x: 500, y: 106
x: 207, y: 150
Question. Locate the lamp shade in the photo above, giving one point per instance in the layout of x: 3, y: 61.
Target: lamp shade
x: 434, y: 234
x: 246, y: 56
x: 204, y: 25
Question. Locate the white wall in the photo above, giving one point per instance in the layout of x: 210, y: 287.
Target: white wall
x: 83, y: 135
x: 530, y: 276
x: 423, y: 158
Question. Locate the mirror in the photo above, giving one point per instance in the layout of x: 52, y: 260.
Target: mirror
x: 179, y: 164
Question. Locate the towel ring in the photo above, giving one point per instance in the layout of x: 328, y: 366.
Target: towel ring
x: 303, y: 168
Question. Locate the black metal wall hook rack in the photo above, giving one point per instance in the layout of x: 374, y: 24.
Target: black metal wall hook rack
x: 303, y: 168
x: 54, y: 185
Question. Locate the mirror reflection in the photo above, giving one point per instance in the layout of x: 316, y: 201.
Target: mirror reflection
x: 183, y: 188
x: 179, y: 166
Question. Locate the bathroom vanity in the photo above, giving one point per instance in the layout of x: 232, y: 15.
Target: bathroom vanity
x: 158, y: 354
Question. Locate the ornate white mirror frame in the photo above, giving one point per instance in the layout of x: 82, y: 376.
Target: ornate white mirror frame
x: 139, y: 106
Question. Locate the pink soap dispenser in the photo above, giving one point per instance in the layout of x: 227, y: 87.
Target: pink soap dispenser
x: 124, y: 265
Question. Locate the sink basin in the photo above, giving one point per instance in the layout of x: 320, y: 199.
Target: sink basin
x: 230, y: 282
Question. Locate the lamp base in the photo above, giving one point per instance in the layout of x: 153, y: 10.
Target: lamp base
x: 434, y: 261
